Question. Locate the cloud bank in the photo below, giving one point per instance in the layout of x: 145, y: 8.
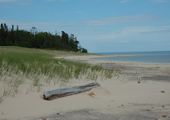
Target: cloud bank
x: 108, y: 31
x: 3, y: 1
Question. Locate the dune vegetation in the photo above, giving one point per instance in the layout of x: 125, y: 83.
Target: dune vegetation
x: 38, y: 67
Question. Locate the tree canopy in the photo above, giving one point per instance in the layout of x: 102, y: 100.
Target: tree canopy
x: 35, y: 39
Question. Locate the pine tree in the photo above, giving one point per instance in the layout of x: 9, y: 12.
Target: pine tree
x: 6, y: 38
x: 2, y: 34
x: 17, y: 38
x: 12, y: 35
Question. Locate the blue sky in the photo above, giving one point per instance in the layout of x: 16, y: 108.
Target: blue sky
x: 99, y: 25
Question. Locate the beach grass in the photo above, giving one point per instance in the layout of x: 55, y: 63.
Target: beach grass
x: 19, y: 64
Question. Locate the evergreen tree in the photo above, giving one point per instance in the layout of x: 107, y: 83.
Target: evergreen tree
x: 2, y: 34
x: 12, y: 35
x: 17, y: 38
x: 6, y: 39
x: 76, y: 43
x: 34, y: 39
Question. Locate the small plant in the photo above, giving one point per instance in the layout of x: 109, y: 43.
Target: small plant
x: 36, y: 81
x: 39, y: 87
x: 6, y: 92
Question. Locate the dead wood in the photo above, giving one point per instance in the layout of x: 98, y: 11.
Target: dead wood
x: 67, y: 91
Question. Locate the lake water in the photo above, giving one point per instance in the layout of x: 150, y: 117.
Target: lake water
x: 146, y: 57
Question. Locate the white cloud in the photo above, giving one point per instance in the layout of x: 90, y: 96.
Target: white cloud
x: 93, y: 24
x: 159, y: 0
x: 118, y: 29
x: 16, y: 2
x: 2, y: 1
x: 50, y: 0
x: 55, y: 0
x: 129, y: 34
x: 124, y: 1
x: 119, y: 20
x: 144, y: 30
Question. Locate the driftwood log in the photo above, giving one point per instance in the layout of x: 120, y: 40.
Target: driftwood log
x: 62, y: 92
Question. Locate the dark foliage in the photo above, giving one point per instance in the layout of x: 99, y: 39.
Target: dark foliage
x: 35, y: 39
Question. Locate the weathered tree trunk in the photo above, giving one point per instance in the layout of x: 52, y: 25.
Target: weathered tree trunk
x: 62, y: 92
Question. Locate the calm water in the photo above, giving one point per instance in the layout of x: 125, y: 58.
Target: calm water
x: 147, y: 57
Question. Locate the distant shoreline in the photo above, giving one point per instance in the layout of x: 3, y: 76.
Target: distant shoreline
x: 149, y: 71
x: 144, y: 57
x: 105, y: 56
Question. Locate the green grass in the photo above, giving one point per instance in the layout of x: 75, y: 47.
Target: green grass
x: 19, y: 64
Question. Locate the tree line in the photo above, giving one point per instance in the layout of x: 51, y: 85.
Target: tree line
x: 35, y: 39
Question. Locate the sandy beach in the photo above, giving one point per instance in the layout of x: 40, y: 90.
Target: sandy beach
x: 118, y: 98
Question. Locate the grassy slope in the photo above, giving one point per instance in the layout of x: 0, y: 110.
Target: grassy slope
x: 19, y: 64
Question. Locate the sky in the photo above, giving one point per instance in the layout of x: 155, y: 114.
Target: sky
x: 99, y: 25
